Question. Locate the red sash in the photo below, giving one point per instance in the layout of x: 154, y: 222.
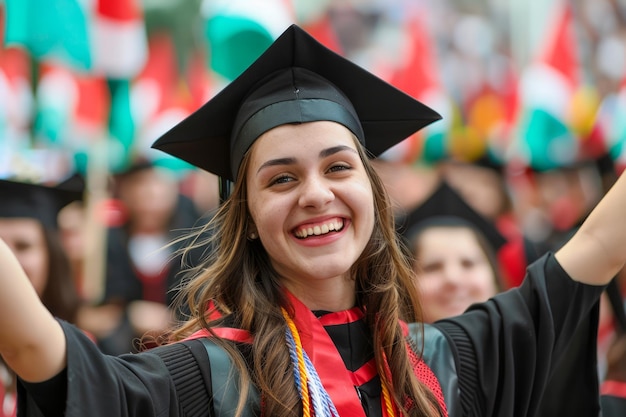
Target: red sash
x: 613, y: 388
x: 338, y: 381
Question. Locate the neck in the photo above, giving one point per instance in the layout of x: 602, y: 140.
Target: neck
x: 336, y: 296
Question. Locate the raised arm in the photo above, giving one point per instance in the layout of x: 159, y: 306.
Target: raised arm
x: 31, y: 341
x: 598, y: 249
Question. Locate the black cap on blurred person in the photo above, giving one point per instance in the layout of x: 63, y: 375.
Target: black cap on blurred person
x: 38, y: 201
x: 295, y: 80
x: 445, y: 207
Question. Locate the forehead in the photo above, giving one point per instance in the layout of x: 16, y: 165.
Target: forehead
x: 20, y: 227
x: 449, y: 235
x: 285, y: 140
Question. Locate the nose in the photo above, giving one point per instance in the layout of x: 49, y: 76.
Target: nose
x: 315, y: 192
x: 452, y: 274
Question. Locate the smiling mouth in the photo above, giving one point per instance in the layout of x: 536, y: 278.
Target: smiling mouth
x: 319, y: 229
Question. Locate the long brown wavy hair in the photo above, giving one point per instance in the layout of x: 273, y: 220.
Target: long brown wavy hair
x: 237, y: 278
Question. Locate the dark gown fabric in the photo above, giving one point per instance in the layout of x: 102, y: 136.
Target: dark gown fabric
x: 504, y: 353
x: 613, y: 398
x: 613, y: 406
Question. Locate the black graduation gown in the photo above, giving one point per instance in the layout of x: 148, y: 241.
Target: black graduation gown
x: 613, y: 406
x: 498, y: 358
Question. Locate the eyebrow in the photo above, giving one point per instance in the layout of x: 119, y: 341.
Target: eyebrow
x: 324, y: 153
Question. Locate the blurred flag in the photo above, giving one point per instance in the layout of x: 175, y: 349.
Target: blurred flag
x: 119, y: 54
x: 53, y: 30
x: 418, y: 76
x: 548, y: 86
x: 314, y: 18
x: 16, y: 99
x: 118, y: 38
x: 238, y: 31
x: 72, y: 111
x: 121, y: 124
x: 161, y: 97
x: 490, y: 115
x: 612, y: 124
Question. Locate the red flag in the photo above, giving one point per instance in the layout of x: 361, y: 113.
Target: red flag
x: 417, y: 76
x: 119, y: 38
x: 322, y: 30
x: 560, y: 51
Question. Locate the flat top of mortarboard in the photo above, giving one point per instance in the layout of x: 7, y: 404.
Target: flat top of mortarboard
x: 446, y: 207
x: 39, y: 201
x: 386, y: 114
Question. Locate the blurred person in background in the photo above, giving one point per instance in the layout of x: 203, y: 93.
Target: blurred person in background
x: 28, y: 225
x: 483, y: 185
x: 203, y: 189
x: 142, y: 270
x: 453, y: 249
x: 73, y: 233
x: 566, y: 196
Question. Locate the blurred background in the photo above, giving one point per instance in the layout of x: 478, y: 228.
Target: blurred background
x: 534, y: 89
x: 94, y: 82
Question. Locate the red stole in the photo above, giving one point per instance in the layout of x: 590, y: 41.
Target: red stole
x: 338, y: 381
x: 613, y: 388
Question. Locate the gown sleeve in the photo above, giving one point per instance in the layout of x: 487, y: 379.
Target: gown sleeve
x: 529, y: 343
x: 145, y: 384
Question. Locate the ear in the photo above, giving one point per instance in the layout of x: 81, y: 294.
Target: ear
x: 252, y: 230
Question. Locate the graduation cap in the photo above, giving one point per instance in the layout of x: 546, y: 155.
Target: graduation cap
x: 38, y: 201
x: 445, y: 207
x: 295, y: 80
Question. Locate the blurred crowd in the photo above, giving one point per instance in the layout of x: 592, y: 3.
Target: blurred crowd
x: 532, y: 94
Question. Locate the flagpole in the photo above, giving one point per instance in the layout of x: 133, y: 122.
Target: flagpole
x: 95, y: 227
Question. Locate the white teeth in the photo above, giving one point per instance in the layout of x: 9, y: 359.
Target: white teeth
x: 320, y: 230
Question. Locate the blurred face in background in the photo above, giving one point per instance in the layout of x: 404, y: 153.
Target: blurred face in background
x: 453, y: 271
x: 26, y: 238
x: 150, y: 195
x: 567, y: 195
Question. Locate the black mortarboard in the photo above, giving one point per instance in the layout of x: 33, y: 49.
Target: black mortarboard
x: 296, y: 79
x: 446, y: 207
x: 37, y: 201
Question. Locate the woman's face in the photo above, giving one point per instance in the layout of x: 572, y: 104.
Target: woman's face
x: 455, y: 272
x: 310, y: 200
x: 25, y: 237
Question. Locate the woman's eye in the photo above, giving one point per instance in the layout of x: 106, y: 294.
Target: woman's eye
x: 339, y: 167
x: 282, y: 179
x: 431, y: 267
x: 468, y: 263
